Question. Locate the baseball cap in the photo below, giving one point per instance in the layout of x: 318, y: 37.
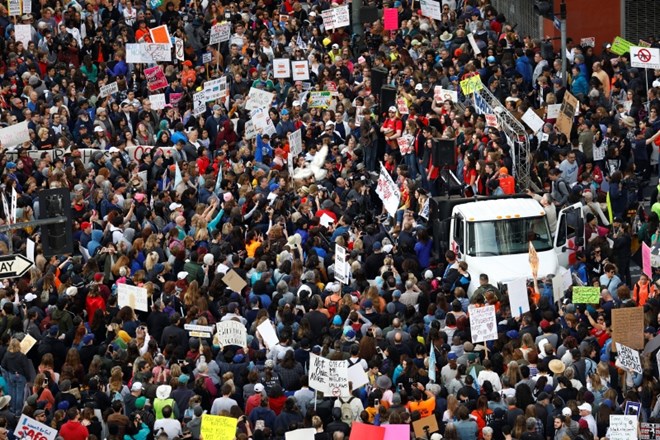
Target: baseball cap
x: 137, y: 386
x: 259, y: 388
x: 650, y: 329
x: 391, y: 109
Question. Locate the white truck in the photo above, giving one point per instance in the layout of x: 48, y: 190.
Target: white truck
x: 491, y: 234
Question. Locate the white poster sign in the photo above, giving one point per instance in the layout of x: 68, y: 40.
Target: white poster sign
x: 300, y: 434
x: 28, y: 428
x: 281, y: 68
x: 342, y: 17
x: 473, y: 44
x: 295, y: 143
x: 232, y: 333
x: 330, y: 377
x: 533, y: 120
x: 262, y: 122
x: 179, y: 49
x: 148, y: 53
x: 14, y: 7
x: 133, y: 296
x: 629, y: 358
x: 483, y: 323
x: 553, y: 111
x: 199, y: 103
x: 340, y: 265
x: 15, y: 134
x: 388, y: 191
x: 622, y: 427
x: 268, y: 334
x: 518, y: 298
x: 431, y: 8
x: 157, y: 101
x: 258, y: 99
x: 645, y: 57
x: 215, y: 89
x: 109, y: 89
x: 23, y: 32
x: 357, y: 376
x: 220, y: 32
x: 300, y: 70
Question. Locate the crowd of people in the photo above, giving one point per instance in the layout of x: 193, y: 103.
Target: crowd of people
x: 208, y: 197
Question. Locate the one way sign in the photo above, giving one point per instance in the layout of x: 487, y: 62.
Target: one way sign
x: 12, y: 266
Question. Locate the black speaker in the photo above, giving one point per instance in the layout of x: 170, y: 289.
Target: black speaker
x: 369, y: 14
x: 444, y: 153
x: 387, y: 98
x: 378, y: 78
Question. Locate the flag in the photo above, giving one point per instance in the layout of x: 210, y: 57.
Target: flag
x: 432, y: 364
x: 609, y: 208
x: 14, y: 197
x: 177, y: 175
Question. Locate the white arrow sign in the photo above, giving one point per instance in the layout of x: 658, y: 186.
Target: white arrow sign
x: 12, y: 266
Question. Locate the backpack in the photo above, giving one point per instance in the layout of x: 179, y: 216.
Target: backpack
x: 347, y: 415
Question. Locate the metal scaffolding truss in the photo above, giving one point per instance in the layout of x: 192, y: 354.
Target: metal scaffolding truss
x: 514, y: 132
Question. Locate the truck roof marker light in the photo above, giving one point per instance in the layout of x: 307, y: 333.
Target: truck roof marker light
x: 542, y: 212
x: 517, y: 216
x: 508, y: 216
x: 499, y: 217
x: 471, y: 219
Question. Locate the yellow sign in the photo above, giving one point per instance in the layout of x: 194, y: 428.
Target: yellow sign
x: 471, y: 85
x: 621, y: 46
x: 218, y: 427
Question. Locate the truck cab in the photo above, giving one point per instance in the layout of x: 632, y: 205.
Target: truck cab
x: 492, y: 236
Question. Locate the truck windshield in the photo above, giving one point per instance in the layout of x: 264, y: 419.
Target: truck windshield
x: 506, y: 237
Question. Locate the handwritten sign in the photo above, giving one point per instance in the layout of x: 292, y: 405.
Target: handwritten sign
x: 334, y: 18
x: 281, y: 68
x: 155, y: 78
x: 431, y: 8
x: 402, y: 106
x: 219, y: 33
x: 328, y: 376
x: 148, y: 53
x: 231, y: 333
x: 15, y: 134
x: 622, y: 427
x: 199, y: 103
x: 109, y: 89
x: 295, y: 143
x: 586, y: 295
x: 206, y: 57
x: 27, y: 343
x: 533, y: 120
x: 629, y: 358
x: 262, y: 122
x: 157, y: 101
x: 553, y: 111
x: 357, y: 376
x: 628, y: 326
x: 28, y: 428
x: 179, y: 49
x: 219, y: 427
x: 300, y: 70
x: 14, y: 7
x: 23, y: 32
x: 258, y: 99
x: 202, y: 331
x: 341, y: 274
x: 483, y: 323
x: 132, y: 296
x: 471, y: 85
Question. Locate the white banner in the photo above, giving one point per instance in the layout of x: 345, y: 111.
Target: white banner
x: 148, y: 53
x: 231, y: 333
x: 109, y: 89
x: 133, y: 296
x: 28, y: 428
x: 281, y: 68
x: 628, y: 358
x: 622, y: 427
x: 220, y: 32
x: 330, y: 377
x: 431, y: 8
x: 340, y: 265
x: 15, y: 134
x: 388, y: 191
x: 157, y: 101
x: 645, y: 57
x: 300, y: 70
x: 258, y: 99
x: 483, y: 323
x: 23, y: 32
x: 295, y: 143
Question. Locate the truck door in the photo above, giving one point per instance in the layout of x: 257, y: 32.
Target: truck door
x: 458, y: 237
x: 569, y: 235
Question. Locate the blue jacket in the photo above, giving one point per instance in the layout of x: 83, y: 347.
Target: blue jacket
x: 524, y: 67
x: 580, y: 85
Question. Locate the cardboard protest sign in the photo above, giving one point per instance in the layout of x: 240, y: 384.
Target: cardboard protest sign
x: 268, y: 334
x: 567, y: 114
x: 109, y: 89
x: 220, y: 32
x: 518, y: 296
x: 622, y: 427
x: 160, y: 35
x: 234, y: 281
x: 629, y: 358
x: 155, y: 78
x: 231, y: 333
x: 132, y: 296
x: 258, y: 99
x: 553, y: 111
x: 300, y: 70
x: 483, y: 323
x: 27, y: 343
x: 427, y: 424
x: 586, y: 295
x: 281, y: 68
x: 218, y: 427
x: 362, y: 431
x: 28, y: 428
x: 15, y: 134
x: 431, y: 8
x: 628, y: 326
x: 588, y: 41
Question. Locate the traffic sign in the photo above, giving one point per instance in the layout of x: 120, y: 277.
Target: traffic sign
x: 12, y: 266
x: 645, y: 57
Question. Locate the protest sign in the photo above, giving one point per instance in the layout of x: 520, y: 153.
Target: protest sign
x: 402, y: 106
x: 646, y: 260
x: 319, y: 99
x: 357, y: 376
x: 553, y: 111
x: 622, y: 427
x: 258, y: 99
x: 328, y: 19
x: 23, y: 32
x: 262, y: 121
x: 567, y: 114
x: 388, y: 191
x: 215, y: 89
x: 649, y: 431
x: 491, y: 121
x: 231, y: 333
x: 473, y: 44
x: 362, y: 431
x: 219, y: 33
x: 13, y: 7
x: 87, y: 154
x: 27, y: 343
x: 199, y: 103
x: 518, y: 296
x: 405, y: 145
x: 629, y: 358
x: 15, y: 135
x: 628, y: 326
x: 340, y: 265
x: 483, y: 323
x: 132, y: 296
x: 586, y: 295
x: 161, y: 35
x: 27, y: 7
x: 207, y: 57
x: 109, y: 89
x: 202, y: 331
x: 281, y: 68
x: 446, y: 95
x: 300, y: 70
x: 295, y: 143
x: 234, y: 281
x: 157, y: 101
x: 148, y: 53
x: 588, y: 41
x: 28, y: 428
x: 532, y: 120
x: 391, y: 19
x: 431, y: 8
x: 426, y: 425
x: 396, y: 431
x: 620, y: 46
x: 300, y: 434
x: 136, y: 153
x: 218, y: 427
x: 155, y: 78
x: 268, y: 334
x: 328, y: 376
x: 342, y: 17
x: 179, y: 49
x: 471, y: 85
